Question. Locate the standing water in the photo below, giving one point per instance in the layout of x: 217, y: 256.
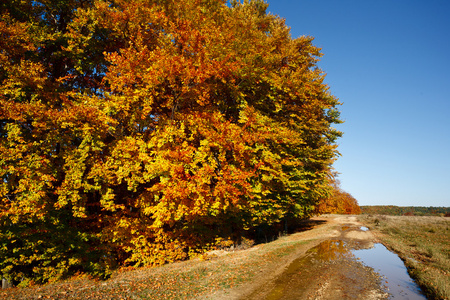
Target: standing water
x: 347, y: 267
x: 392, y: 268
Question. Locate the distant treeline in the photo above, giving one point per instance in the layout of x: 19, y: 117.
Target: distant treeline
x: 406, y: 210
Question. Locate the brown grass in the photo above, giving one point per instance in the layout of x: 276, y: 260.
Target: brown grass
x: 219, y: 275
x: 424, y: 245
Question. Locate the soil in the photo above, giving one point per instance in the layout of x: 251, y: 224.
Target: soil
x: 324, y: 269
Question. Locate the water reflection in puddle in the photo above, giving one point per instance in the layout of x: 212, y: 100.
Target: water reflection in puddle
x: 388, y: 264
x: 327, y: 271
x: 305, y: 276
x: 346, y: 227
x: 330, y: 250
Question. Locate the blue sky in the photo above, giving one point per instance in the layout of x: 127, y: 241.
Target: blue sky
x: 388, y: 61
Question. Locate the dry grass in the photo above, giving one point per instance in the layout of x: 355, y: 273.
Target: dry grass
x: 182, y: 280
x: 424, y: 245
x: 215, y: 277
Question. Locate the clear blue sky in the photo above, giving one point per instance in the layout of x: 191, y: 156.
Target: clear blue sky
x: 388, y: 61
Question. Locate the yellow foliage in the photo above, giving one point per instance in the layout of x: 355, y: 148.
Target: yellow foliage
x: 155, y: 131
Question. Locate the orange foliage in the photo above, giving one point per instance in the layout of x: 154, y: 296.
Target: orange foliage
x: 338, y: 202
x: 142, y: 132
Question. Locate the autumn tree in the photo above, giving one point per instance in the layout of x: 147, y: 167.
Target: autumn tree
x: 141, y: 132
x: 338, y: 202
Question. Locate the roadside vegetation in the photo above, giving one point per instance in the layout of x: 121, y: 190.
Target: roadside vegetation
x: 220, y: 274
x: 424, y: 245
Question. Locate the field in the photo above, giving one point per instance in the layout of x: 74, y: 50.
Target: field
x: 424, y: 245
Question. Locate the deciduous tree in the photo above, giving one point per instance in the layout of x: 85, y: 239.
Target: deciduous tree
x: 140, y: 132
x: 338, y: 202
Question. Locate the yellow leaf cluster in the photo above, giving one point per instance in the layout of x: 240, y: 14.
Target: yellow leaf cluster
x: 155, y: 131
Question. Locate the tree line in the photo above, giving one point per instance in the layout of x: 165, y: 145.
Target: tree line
x: 143, y: 132
x: 405, y: 210
x: 338, y: 202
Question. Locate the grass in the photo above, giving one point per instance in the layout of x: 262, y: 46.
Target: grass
x: 424, y: 245
x: 210, y: 278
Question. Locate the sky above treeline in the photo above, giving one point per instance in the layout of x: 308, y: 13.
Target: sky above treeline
x: 389, y: 64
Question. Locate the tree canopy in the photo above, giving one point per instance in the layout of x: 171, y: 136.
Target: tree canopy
x: 338, y: 202
x: 139, y: 132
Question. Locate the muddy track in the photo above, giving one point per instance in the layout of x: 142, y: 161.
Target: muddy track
x: 322, y: 269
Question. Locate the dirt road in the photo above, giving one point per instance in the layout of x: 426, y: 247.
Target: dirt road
x: 314, y: 263
x: 324, y: 269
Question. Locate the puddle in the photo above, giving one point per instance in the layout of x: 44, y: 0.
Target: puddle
x: 329, y: 250
x: 335, y: 270
x: 392, y: 268
x: 327, y: 271
x: 345, y: 228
